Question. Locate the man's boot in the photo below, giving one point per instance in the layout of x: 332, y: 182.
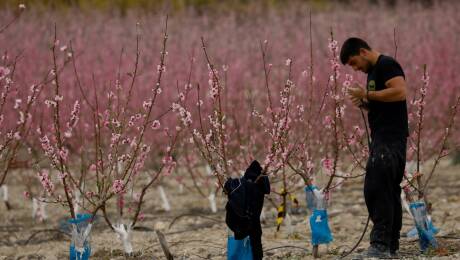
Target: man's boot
x: 375, y: 250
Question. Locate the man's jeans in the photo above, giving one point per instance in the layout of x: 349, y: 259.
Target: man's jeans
x: 382, y: 191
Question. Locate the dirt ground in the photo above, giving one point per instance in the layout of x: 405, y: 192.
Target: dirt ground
x: 197, y: 233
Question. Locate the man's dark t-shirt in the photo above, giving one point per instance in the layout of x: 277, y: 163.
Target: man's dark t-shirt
x: 386, y: 119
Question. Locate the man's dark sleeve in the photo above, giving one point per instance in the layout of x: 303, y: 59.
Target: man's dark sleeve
x: 264, y: 185
x: 227, y: 186
x: 390, y: 69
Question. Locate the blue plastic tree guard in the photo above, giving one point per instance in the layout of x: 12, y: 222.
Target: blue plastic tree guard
x: 425, y: 233
x: 414, y: 232
x: 239, y: 249
x: 320, y: 231
x: 310, y: 196
x: 81, y: 222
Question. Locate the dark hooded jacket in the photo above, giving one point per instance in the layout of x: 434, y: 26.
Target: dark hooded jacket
x: 255, y: 187
x: 256, y: 190
x: 258, y: 186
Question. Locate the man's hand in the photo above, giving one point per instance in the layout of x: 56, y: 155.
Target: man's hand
x: 356, y: 94
x: 356, y: 101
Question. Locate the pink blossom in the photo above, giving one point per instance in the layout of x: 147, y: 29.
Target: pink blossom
x: 46, y: 182
x: 185, y: 116
x: 116, y: 123
x: 175, y: 107
x: 111, y: 95
x: 167, y: 159
x: 118, y: 186
x: 161, y: 68
x: 426, y: 79
x: 64, y: 153
x: 181, y: 96
x: 214, y: 92
x: 49, y: 149
x: 4, y: 72
x: 92, y: 167
x: 327, y: 165
x: 358, y: 130
x: 351, y: 140
x: 170, y: 168
x: 137, y: 196
x: 67, y: 134
x: 131, y: 121
x: 17, y: 103
x: 328, y: 122
x: 50, y: 103
x: 333, y: 45
x: 310, y: 165
x: 74, y: 116
x: 62, y: 175
x: 156, y: 125
x: 141, y: 217
x: 147, y: 104
x: 121, y: 202
x: 115, y: 138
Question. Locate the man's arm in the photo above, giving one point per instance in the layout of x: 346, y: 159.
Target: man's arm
x: 395, y: 91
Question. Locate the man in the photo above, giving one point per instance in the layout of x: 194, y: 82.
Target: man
x: 385, y: 99
x: 252, y: 189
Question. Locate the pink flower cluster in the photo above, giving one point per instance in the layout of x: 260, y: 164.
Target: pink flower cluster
x: 145, y: 149
x: 156, y: 125
x: 74, y: 117
x: 118, y: 186
x: 327, y: 165
x: 185, y: 116
x: 347, y: 82
x: 213, y: 82
x: 328, y: 122
x: 169, y: 164
x: 46, y: 182
x: 4, y: 72
x: 62, y: 175
x: 49, y: 150
x: 420, y: 103
x: 147, y: 104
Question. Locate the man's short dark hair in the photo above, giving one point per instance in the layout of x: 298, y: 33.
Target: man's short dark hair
x: 351, y: 48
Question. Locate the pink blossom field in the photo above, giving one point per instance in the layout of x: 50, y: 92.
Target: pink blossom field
x: 136, y: 122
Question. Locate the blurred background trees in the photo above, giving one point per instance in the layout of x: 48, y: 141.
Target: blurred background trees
x: 122, y: 6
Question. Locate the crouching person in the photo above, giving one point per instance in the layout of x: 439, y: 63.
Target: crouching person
x: 244, y: 206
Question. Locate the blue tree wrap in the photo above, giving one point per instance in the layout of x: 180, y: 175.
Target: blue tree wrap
x: 239, y: 249
x: 414, y: 232
x: 320, y: 231
x: 310, y: 196
x: 81, y: 221
x: 425, y: 232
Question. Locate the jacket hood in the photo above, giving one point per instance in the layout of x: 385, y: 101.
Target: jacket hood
x: 253, y: 171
